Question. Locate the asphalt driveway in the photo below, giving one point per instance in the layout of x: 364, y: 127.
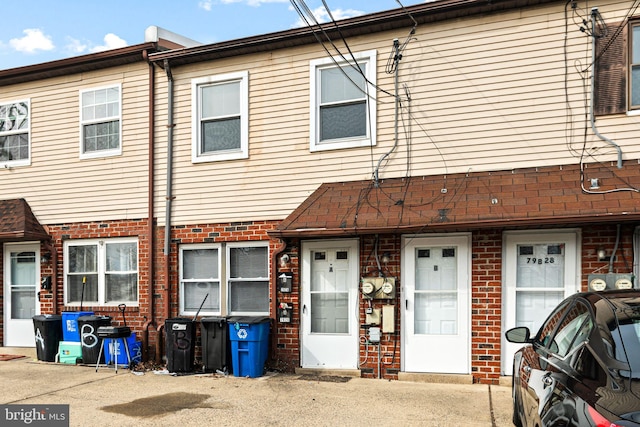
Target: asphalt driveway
x: 156, y: 398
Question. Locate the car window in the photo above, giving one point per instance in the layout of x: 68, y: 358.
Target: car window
x: 573, y: 331
x: 630, y: 334
x: 549, y: 326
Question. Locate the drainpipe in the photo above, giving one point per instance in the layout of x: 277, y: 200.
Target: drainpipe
x: 169, y: 199
x: 150, y: 201
x: 54, y: 271
x: 274, y: 284
x: 594, y: 13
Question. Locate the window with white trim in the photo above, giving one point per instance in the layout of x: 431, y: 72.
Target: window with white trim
x: 240, y: 288
x: 343, y: 107
x: 100, y: 122
x: 220, y: 117
x: 200, y: 267
x: 101, y: 272
x: 15, y: 135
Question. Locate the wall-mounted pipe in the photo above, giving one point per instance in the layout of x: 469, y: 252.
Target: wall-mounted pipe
x: 54, y: 272
x: 168, y: 204
x: 150, y: 202
x: 594, y: 14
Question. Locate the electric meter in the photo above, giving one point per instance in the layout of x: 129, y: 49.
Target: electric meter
x: 387, y: 287
x: 598, y: 285
x: 368, y: 288
x: 624, y: 283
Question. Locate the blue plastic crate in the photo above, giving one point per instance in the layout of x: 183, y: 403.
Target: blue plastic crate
x: 70, y: 328
x: 115, y: 351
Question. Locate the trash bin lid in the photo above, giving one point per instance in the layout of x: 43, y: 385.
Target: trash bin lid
x: 249, y: 320
x: 92, y: 318
x: 213, y: 319
x: 47, y: 317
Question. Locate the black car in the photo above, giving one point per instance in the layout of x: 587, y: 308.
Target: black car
x: 583, y: 366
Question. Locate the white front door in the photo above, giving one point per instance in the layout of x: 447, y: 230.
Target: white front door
x: 329, y: 306
x: 435, y: 296
x: 21, y: 285
x: 540, y: 270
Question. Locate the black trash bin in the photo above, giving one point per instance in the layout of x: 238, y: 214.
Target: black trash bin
x: 90, y: 341
x: 48, y: 332
x: 216, y: 348
x: 180, y: 341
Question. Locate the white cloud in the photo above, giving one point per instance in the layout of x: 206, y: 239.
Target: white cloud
x: 75, y: 46
x: 34, y: 40
x: 206, y: 5
x: 321, y: 15
x: 111, y: 41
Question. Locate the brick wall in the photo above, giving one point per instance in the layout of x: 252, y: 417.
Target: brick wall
x: 486, y: 305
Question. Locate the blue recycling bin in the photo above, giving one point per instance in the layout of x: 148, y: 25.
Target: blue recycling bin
x: 70, y: 327
x: 249, y: 337
x: 115, y: 351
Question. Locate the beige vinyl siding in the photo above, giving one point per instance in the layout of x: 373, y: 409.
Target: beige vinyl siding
x: 486, y: 94
x: 61, y: 188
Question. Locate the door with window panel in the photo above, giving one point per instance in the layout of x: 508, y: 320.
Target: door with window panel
x: 540, y: 271
x: 21, y: 286
x: 329, y: 305
x: 436, y: 304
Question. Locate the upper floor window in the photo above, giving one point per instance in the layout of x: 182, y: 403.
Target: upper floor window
x: 100, y: 122
x: 240, y: 288
x: 635, y: 66
x: 101, y: 272
x: 220, y: 117
x: 343, y: 107
x: 15, y: 133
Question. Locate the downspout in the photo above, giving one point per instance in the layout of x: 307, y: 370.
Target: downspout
x: 169, y: 199
x: 150, y: 202
x: 54, y: 271
x: 594, y: 13
x: 274, y: 285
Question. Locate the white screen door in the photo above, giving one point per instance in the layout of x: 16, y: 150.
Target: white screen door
x: 21, y: 284
x: 436, y: 304
x: 540, y: 270
x: 330, y: 304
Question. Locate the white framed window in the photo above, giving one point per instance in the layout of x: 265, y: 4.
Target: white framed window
x: 248, y: 281
x: 234, y: 278
x: 220, y: 109
x: 634, y: 86
x: 200, y: 269
x: 343, y: 106
x: 100, y: 121
x: 101, y: 272
x: 15, y: 133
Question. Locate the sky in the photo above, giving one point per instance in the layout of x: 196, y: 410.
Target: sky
x: 37, y: 31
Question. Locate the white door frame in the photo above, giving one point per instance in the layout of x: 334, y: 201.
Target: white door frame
x: 571, y: 238
x: 19, y: 333
x: 442, y: 359
x: 348, y: 344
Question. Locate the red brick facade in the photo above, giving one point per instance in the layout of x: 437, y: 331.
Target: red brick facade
x: 158, y: 297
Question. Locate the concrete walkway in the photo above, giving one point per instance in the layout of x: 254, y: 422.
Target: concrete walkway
x: 159, y: 399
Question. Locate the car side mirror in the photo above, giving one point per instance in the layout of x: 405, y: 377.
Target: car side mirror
x: 519, y: 335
